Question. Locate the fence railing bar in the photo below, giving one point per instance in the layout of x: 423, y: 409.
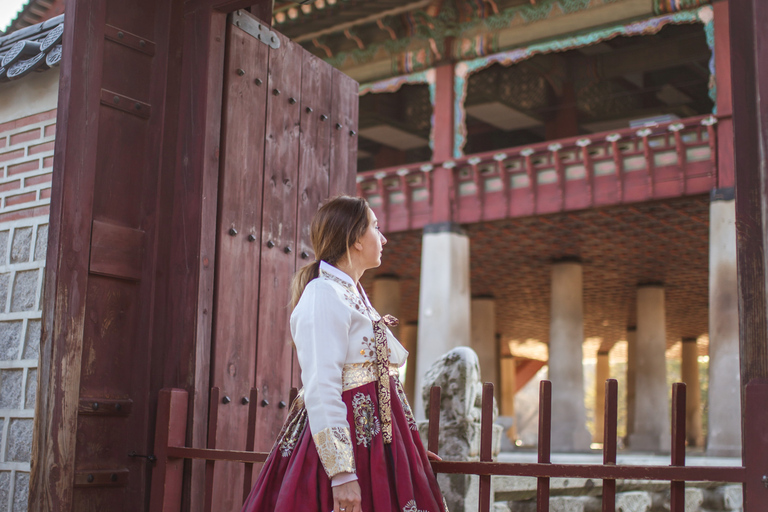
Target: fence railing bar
x: 677, y: 487
x: 545, y: 437
x: 434, y: 419
x: 250, y: 440
x: 595, y: 471
x: 610, y: 441
x: 213, y: 422
x: 486, y: 438
x: 183, y: 452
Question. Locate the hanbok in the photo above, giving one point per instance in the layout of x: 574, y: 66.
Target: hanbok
x: 351, y: 416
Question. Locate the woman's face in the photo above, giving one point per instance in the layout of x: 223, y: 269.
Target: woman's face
x: 371, y: 243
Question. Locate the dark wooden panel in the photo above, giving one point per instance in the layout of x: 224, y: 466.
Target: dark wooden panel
x: 343, y: 134
x: 67, y: 261
x: 281, y: 165
x: 116, y: 250
x: 314, y: 160
x: 238, y: 249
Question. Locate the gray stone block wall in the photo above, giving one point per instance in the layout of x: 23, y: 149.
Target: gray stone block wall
x: 22, y: 261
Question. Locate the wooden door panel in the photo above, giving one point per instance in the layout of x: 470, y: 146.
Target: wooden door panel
x: 344, y: 134
x: 278, y: 142
x: 278, y: 238
x: 238, y: 248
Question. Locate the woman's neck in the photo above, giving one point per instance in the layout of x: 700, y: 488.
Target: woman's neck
x: 350, y: 270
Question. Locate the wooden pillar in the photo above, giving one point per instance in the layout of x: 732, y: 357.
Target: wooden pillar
x: 442, y: 178
x: 602, y: 373
x: 749, y: 68
x: 386, y: 298
x: 565, y: 122
x: 409, y: 339
x: 631, y: 379
x: 689, y: 374
x: 724, y: 104
x: 508, y: 378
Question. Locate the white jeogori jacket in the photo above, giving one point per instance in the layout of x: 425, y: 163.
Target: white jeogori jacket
x: 332, y: 327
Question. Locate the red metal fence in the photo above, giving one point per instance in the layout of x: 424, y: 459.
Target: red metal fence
x: 631, y: 165
x: 171, y: 452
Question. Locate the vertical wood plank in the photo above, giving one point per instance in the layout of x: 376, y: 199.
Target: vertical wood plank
x: 433, y: 439
x: 238, y: 249
x: 545, y: 443
x: 344, y: 114
x: 314, y: 161
x: 170, y: 430
x: 677, y: 488
x: 610, y: 441
x: 278, y: 238
x: 486, y: 439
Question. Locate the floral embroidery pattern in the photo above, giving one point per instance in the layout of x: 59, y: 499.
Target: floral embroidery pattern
x: 293, y: 427
x: 370, y: 348
x: 334, y: 448
x: 367, y: 425
x: 411, y: 507
x: 406, y: 406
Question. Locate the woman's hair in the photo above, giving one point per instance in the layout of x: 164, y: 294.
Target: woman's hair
x: 338, y: 224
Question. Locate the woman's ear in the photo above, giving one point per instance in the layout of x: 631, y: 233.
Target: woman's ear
x: 357, y: 245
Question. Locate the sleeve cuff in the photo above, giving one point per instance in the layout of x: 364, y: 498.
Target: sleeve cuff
x: 343, y: 478
x: 334, y: 447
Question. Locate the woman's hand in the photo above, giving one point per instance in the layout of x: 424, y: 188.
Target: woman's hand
x: 346, y: 497
x: 433, y: 456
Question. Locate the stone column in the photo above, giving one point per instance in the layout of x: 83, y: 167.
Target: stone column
x: 689, y: 373
x: 566, y: 336
x: 483, y: 338
x: 631, y: 379
x: 651, y: 431
x: 602, y: 373
x: 444, y: 299
x: 386, y: 298
x: 724, y: 423
x: 408, y: 333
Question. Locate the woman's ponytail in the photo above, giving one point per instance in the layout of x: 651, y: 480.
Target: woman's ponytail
x: 301, y: 279
x: 337, y: 225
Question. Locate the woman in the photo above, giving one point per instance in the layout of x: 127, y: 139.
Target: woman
x: 350, y: 442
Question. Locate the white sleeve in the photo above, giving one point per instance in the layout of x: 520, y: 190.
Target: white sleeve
x: 320, y: 326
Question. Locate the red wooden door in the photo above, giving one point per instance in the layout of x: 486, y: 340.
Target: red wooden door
x: 288, y: 142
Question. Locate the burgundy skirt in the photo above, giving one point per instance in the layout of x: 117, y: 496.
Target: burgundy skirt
x: 395, y: 477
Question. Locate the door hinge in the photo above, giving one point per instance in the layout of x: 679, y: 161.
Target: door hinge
x: 256, y: 29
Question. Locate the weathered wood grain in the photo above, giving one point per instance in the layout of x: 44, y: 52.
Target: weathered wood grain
x: 238, y: 232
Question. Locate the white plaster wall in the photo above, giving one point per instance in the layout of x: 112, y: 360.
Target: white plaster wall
x: 30, y: 95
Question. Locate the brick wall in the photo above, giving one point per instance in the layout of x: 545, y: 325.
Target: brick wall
x: 26, y: 160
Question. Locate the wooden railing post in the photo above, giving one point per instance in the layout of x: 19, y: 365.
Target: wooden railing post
x: 170, y: 430
x: 756, y: 446
x: 545, y: 443
x: 610, y: 441
x: 486, y: 445
x: 677, y: 488
x: 433, y: 437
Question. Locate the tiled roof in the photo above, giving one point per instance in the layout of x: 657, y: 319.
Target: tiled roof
x: 33, y: 48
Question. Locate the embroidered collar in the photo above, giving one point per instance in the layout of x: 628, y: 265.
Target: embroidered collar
x: 330, y: 272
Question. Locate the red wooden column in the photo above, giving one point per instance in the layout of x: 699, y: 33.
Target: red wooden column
x: 444, y: 134
x: 749, y: 65
x: 725, y: 178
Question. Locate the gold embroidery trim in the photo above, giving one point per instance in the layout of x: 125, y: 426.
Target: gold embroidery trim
x: 356, y: 374
x: 334, y: 446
